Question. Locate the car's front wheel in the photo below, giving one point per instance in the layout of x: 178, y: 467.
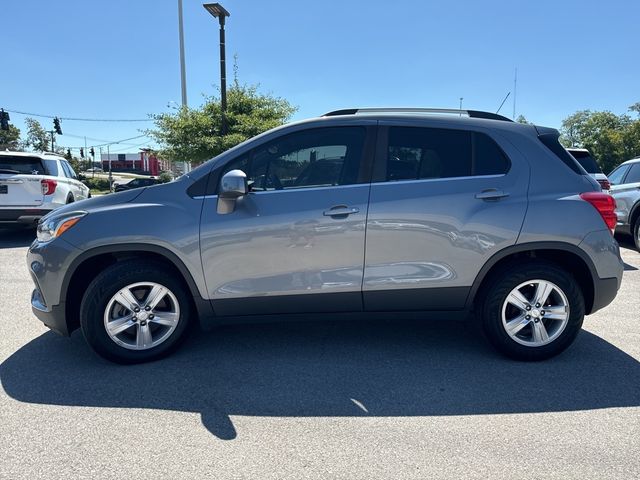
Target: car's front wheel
x: 134, y: 311
x: 532, y: 311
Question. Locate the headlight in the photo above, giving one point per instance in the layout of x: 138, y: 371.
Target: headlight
x: 52, y: 226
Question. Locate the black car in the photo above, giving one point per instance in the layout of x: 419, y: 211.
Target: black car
x: 137, y: 183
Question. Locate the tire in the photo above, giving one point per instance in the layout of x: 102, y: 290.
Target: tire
x: 164, y: 325
x: 70, y: 199
x: 511, y: 296
x: 635, y: 230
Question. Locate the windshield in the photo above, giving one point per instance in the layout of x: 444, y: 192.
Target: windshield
x: 21, y: 165
x: 586, y: 160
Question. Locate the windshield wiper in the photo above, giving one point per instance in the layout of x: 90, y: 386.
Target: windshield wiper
x: 6, y: 170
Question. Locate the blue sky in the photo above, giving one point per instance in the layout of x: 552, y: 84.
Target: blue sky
x: 119, y: 58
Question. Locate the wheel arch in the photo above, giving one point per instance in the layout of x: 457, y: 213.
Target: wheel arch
x: 566, y: 255
x: 84, y: 268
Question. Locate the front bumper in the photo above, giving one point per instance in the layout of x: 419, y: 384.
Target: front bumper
x: 22, y: 216
x: 53, y: 317
x: 47, y: 264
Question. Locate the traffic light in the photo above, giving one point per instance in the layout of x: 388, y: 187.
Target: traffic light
x: 92, y: 152
x: 4, y: 119
x: 81, y: 152
x: 68, y: 153
x: 56, y: 126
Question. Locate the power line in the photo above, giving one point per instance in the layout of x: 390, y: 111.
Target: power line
x: 81, y: 119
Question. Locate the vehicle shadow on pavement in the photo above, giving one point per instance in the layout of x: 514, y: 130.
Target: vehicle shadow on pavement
x: 16, y: 237
x: 327, y: 369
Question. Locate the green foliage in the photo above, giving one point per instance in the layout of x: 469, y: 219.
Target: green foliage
x: 10, y: 139
x: 194, y: 134
x: 96, y: 183
x: 523, y: 119
x: 37, y: 137
x: 610, y: 138
x: 165, y: 177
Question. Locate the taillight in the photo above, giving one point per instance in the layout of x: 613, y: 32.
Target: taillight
x: 48, y: 186
x: 605, y: 184
x: 605, y: 205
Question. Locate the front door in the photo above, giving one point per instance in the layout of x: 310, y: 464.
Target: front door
x: 295, y: 243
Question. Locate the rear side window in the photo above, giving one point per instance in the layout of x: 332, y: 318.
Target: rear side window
x: 51, y: 167
x: 586, y: 161
x: 634, y: 174
x: 21, y: 165
x: 422, y: 153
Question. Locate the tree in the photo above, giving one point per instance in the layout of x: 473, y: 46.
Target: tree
x: 37, y: 137
x: 610, y: 138
x: 194, y: 134
x: 10, y: 139
x: 523, y: 119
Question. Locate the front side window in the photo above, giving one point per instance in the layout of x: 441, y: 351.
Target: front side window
x: 320, y: 157
x: 422, y: 153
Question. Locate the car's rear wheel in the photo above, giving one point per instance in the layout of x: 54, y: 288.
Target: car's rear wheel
x: 134, y: 312
x: 636, y: 233
x: 532, y: 311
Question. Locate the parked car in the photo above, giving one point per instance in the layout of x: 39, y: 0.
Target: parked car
x: 94, y: 170
x: 625, y: 188
x: 429, y: 215
x: 586, y: 160
x: 136, y: 183
x: 34, y: 184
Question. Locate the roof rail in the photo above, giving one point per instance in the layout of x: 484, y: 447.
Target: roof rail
x: 469, y: 113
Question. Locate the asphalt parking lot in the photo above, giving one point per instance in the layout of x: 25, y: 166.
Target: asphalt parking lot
x: 326, y: 400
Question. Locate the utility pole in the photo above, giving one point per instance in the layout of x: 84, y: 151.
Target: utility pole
x: 110, y: 175
x: 52, y: 132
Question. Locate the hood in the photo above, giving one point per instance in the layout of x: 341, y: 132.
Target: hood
x: 97, y: 203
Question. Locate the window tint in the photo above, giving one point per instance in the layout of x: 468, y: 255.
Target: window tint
x: 312, y: 158
x: 439, y: 153
x: 586, y: 160
x: 51, y: 166
x: 634, y: 174
x: 618, y: 174
x: 21, y: 165
x: 65, y: 169
x: 488, y: 157
x: 72, y: 173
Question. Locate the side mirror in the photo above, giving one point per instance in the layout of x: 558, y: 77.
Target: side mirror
x: 232, y: 186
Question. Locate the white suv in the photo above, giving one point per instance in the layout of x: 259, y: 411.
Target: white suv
x: 33, y: 184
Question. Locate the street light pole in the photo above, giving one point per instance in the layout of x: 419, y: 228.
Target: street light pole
x: 183, y: 73
x: 220, y: 13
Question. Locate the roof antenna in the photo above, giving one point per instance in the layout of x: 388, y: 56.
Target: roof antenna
x: 505, y: 99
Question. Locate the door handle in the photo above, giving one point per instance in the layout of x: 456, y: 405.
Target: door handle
x: 491, y: 194
x: 340, y: 211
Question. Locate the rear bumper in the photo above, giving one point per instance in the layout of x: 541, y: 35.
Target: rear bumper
x: 22, y: 216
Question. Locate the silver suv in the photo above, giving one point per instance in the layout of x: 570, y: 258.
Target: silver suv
x: 376, y: 213
x: 625, y: 181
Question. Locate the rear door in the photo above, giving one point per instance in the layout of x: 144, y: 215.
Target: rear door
x: 443, y: 201
x: 20, y: 181
x: 295, y: 243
